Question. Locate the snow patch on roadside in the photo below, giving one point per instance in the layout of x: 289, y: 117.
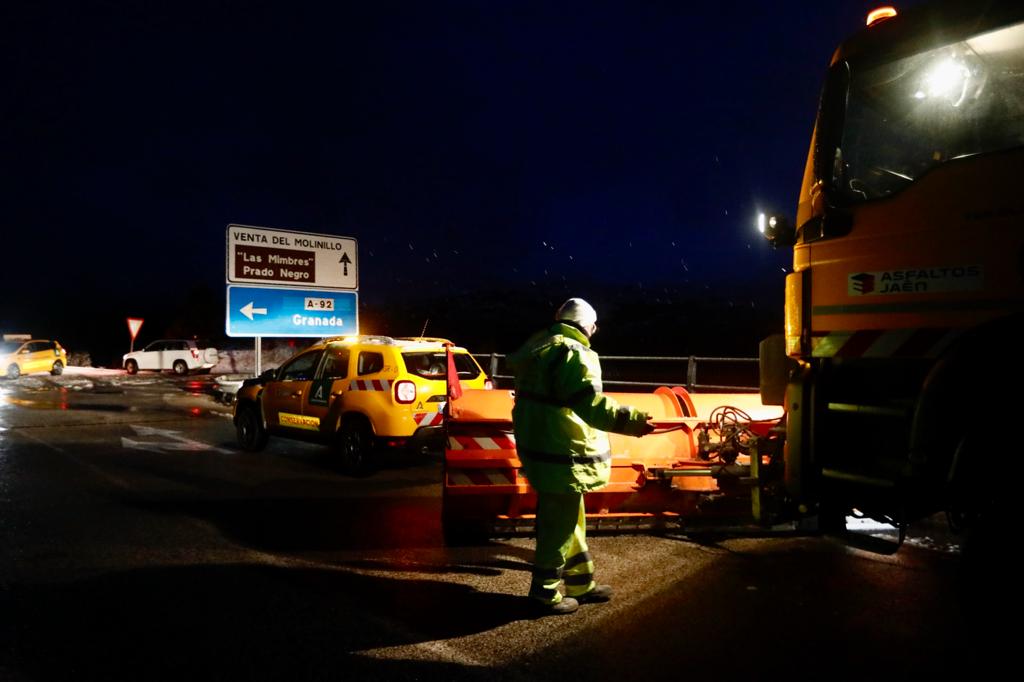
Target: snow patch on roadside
x: 82, y: 378
x: 74, y: 370
x: 76, y: 383
x: 115, y: 377
x: 935, y: 539
x: 244, y: 361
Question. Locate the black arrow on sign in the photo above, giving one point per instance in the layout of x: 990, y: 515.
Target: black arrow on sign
x: 345, y: 260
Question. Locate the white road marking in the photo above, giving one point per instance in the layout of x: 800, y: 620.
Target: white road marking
x: 175, y: 441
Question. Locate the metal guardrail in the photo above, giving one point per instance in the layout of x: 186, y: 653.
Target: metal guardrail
x: 492, y: 361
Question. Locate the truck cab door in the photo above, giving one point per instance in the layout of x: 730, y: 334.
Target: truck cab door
x: 283, y: 398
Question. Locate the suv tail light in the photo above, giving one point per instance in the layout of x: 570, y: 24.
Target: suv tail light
x: 195, y: 353
x: 405, y: 392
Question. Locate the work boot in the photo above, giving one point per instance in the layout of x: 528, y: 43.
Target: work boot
x: 565, y: 606
x: 600, y: 593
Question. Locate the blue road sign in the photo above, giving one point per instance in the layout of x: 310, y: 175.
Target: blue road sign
x: 274, y: 311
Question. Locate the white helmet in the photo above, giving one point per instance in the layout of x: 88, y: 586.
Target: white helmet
x: 579, y: 311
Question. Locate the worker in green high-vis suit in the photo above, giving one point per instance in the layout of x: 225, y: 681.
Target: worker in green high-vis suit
x: 561, y: 418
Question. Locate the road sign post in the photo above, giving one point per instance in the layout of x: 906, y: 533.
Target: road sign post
x: 134, y: 325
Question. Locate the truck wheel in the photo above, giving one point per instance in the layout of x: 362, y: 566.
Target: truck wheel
x: 180, y: 368
x: 58, y: 368
x: 355, y: 441
x: 13, y: 372
x: 131, y: 367
x: 252, y: 437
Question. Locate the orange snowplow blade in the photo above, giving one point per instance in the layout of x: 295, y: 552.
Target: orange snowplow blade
x: 484, y: 484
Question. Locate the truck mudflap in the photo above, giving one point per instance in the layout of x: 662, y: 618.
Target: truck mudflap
x: 656, y: 481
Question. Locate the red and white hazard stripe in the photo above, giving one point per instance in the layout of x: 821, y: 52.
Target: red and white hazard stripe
x: 481, y: 477
x: 369, y: 385
x: 882, y: 343
x: 428, y: 418
x: 502, y: 442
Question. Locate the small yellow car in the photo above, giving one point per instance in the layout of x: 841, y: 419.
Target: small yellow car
x: 356, y: 394
x: 29, y: 357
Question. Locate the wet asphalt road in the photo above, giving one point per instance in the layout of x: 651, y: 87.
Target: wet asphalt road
x: 137, y: 542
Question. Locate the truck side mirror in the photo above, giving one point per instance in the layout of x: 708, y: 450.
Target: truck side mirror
x: 776, y: 229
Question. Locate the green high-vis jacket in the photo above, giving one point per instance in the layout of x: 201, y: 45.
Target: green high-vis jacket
x: 561, y: 415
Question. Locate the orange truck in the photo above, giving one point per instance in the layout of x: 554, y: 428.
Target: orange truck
x: 907, y: 288
x: 882, y: 397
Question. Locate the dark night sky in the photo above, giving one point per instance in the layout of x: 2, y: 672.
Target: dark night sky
x: 487, y: 155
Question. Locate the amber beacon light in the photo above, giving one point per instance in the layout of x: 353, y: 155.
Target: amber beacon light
x: 880, y: 14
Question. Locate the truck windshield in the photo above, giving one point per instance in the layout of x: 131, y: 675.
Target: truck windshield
x: 906, y: 116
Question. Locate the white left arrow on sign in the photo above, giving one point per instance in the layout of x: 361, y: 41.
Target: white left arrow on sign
x: 249, y: 311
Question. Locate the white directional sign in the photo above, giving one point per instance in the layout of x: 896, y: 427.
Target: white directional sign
x: 271, y: 257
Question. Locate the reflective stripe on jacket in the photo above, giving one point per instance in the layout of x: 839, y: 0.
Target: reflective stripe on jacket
x: 561, y: 415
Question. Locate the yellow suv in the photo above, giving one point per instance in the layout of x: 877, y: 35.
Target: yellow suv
x: 28, y: 357
x: 356, y: 394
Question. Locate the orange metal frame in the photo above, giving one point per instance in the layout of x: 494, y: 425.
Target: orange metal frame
x: 483, y: 480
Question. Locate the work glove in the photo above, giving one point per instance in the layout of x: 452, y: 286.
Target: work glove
x: 639, y: 428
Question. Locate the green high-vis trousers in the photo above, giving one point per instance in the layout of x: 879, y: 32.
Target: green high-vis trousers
x: 561, y: 548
